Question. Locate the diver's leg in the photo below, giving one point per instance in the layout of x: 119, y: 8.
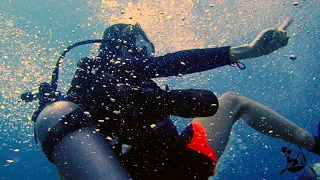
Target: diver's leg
x: 233, y: 107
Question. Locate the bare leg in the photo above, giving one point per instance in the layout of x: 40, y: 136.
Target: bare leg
x: 233, y: 107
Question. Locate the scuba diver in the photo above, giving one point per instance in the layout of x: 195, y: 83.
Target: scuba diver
x: 114, y: 123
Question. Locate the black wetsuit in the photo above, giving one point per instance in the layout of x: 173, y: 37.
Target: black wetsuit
x: 129, y: 106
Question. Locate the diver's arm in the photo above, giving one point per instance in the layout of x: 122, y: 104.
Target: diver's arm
x: 197, y: 60
x: 189, y: 103
x: 181, y: 62
x: 191, y: 61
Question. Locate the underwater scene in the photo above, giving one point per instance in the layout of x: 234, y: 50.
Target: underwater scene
x: 34, y: 33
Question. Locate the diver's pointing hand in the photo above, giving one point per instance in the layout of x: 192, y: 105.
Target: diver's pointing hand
x: 285, y: 24
x: 270, y: 40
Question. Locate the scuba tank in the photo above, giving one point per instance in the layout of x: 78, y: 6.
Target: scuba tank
x: 68, y: 136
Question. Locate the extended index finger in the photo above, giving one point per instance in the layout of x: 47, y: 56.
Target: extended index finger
x: 285, y: 24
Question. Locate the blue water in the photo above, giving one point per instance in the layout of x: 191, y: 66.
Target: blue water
x: 33, y: 32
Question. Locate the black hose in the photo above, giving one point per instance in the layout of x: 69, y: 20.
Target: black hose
x: 55, y: 73
x: 29, y: 96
